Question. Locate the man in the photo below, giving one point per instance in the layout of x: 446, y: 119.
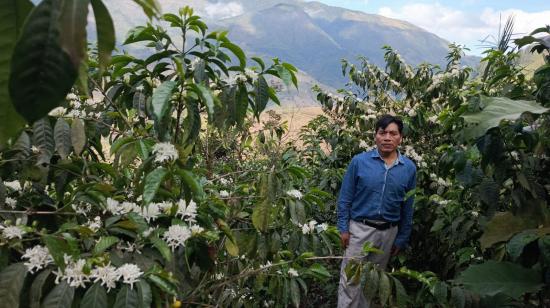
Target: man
x: 372, y: 206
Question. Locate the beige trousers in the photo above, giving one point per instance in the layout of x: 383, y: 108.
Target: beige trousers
x: 351, y: 295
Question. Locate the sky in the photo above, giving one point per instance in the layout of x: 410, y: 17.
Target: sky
x: 464, y: 22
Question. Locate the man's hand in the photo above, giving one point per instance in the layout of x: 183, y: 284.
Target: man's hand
x: 344, y: 239
x: 394, y: 250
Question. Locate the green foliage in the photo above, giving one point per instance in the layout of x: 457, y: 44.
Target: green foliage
x: 494, y: 110
x: 491, y: 278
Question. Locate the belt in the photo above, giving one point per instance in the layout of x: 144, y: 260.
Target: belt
x: 377, y: 224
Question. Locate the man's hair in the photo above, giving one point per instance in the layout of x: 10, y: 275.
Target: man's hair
x: 386, y: 120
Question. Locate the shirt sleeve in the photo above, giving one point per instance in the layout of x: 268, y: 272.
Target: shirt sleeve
x: 345, y: 199
x: 405, y: 224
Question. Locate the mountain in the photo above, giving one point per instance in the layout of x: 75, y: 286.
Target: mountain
x: 312, y: 36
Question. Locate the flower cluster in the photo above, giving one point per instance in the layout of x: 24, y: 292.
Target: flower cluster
x: 107, y: 275
x: 165, y: 151
x: 176, y: 236
x: 12, y: 232
x: 294, y: 193
x: 37, y: 257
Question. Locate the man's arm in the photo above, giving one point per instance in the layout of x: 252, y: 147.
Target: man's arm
x: 405, y: 224
x: 345, y: 198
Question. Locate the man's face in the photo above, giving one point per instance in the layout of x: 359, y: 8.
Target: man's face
x: 387, y: 140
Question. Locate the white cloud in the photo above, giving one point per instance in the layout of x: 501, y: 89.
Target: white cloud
x: 466, y: 28
x: 221, y: 10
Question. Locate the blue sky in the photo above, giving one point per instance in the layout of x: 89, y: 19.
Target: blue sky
x: 464, y: 22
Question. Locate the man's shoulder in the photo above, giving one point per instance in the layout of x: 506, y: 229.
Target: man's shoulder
x: 409, y: 163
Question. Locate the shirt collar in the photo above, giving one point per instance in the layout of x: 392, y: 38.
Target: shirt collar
x: 375, y: 154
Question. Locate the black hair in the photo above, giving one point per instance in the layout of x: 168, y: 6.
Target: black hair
x: 386, y: 120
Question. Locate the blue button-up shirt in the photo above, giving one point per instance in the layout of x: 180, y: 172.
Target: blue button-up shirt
x: 373, y: 190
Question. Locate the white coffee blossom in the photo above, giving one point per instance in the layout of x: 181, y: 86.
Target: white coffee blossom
x: 224, y: 194
x: 148, y: 232
x: 266, y: 265
x: 412, y: 112
x: 129, y: 207
x: 433, y: 119
x: 322, y: 227
x: 37, y: 257
x: 363, y: 144
x: 151, y: 211
x: 165, y: 206
x: 130, y: 273
x: 309, y: 227
x: 14, y: 185
x: 250, y: 73
x: 57, y: 112
x: 113, y: 206
x: 107, y: 275
x: 219, y: 276
x: 71, y: 97
x: 165, y: 151
x: 475, y: 213
x: 82, y: 208
x: 196, y: 229
x: 224, y: 181
x: 95, y: 224
x: 295, y: 194
x: 11, y: 202
x: 12, y: 232
x: 293, y: 272
x: 176, y: 236
x: 187, y: 211
x: 73, y: 273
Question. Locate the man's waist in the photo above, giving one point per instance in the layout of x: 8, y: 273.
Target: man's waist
x: 378, y: 224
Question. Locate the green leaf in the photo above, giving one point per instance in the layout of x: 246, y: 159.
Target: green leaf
x: 161, y: 100
x: 152, y: 184
x: 237, y: 51
x: 501, y: 228
x: 261, y: 95
x: 35, y: 294
x: 368, y: 247
x: 206, y: 97
x: 105, y: 33
x: 12, y: 15
x: 284, y: 74
x: 295, y: 292
x: 60, y: 297
x: 262, y: 212
x: 241, y: 102
x: 42, y: 73
x: 458, y: 300
x: 78, y: 135
x: 373, y: 282
x: 384, y: 289
x: 232, y: 248
x: 515, y: 246
x: 62, y: 137
x: 163, y: 248
x: 11, y: 284
x: 43, y: 139
x: 73, y: 20
x: 491, y: 278
x: 145, y: 296
x: 151, y: 8
x: 95, y: 297
x: 319, y: 271
x: 497, y: 109
x: 192, y: 182
x: 163, y: 284
x: 400, y: 293
x: 104, y: 243
x: 57, y: 248
x: 192, y: 124
x: 126, y: 298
